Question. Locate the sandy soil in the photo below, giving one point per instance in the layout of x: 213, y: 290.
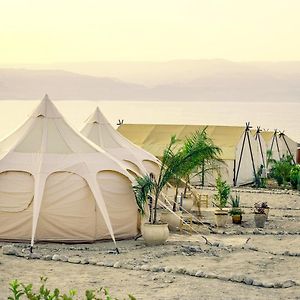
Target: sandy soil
x: 238, y: 259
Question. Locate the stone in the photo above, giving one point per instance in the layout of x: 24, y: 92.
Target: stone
x: 63, y: 258
x: 84, y: 261
x: 35, y: 256
x: 256, y: 283
x: 181, y: 271
x: 211, y: 276
x: 92, y: 261
x: 9, y: 250
x: 237, y: 278
x: 267, y: 284
x: 55, y: 257
x: 288, y: 283
x: 145, y: 267
x: 248, y: 280
x: 100, y: 263
x: 191, y: 272
x: 74, y: 260
x: 109, y: 263
x: 117, y: 265
x: 200, y: 274
x: 47, y: 257
x: 167, y: 269
x: 156, y: 269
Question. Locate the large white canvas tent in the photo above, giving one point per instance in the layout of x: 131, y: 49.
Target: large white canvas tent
x: 239, y: 150
x: 102, y: 133
x: 56, y: 185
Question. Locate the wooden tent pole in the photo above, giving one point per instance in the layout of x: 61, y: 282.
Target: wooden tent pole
x: 282, y: 135
x: 251, y: 153
x: 241, y: 155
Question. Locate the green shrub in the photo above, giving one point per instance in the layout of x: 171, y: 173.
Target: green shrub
x: 295, y: 177
x: 281, y: 170
x: 223, y: 193
x: 21, y: 291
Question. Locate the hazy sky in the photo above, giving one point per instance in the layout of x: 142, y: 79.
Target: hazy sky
x: 45, y: 31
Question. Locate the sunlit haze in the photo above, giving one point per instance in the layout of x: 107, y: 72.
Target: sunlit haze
x: 34, y: 31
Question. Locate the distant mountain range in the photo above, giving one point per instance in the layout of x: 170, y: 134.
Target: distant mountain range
x: 190, y: 80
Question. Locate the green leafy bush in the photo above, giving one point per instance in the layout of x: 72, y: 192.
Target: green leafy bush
x: 20, y: 290
x: 281, y: 170
x: 295, y: 177
x: 223, y: 193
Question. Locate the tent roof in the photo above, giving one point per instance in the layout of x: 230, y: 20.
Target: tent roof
x: 155, y: 138
x: 101, y: 132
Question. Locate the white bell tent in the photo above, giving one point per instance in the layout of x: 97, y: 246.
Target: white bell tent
x: 102, y: 133
x: 56, y: 185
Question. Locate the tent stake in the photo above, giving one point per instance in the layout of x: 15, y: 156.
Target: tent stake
x: 117, y: 251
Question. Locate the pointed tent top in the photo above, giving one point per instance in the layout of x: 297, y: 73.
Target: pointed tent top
x: 46, y: 109
x: 97, y: 117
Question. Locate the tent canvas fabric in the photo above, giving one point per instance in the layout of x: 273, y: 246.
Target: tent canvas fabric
x: 56, y: 185
x: 101, y: 132
x: 279, y: 144
x: 155, y: 137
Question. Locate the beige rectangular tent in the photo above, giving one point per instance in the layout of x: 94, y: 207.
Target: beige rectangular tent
x: 239, y: 149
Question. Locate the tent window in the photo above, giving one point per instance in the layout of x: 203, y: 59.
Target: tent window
x: 16, y: 191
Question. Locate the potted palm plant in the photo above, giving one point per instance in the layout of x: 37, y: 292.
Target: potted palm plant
x: 174, y: 165
x: 220, y: 201
x: 195, y: 149
x: 236, y: 212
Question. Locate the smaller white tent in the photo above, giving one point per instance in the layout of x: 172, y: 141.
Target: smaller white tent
x: 101, y: 132
x: 56, y: 185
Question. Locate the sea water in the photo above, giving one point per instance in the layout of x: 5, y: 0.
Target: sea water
x: 269, y: 116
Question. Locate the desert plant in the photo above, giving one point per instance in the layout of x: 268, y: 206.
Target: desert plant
x: 235, y: 206
x: 177, y: 162
x: 295, y: 177
x: 260, y: 178
x: 261, y: 207
x: 223, y: 193
x: 196, y: 149
x: 20, y: 290
x: 281, y: 170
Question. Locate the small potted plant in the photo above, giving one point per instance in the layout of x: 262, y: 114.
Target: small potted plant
x: 236, y: 212
x: 220, y: 201
x: 260, y: 214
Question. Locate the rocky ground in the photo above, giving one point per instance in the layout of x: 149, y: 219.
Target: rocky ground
x: 239, y: 262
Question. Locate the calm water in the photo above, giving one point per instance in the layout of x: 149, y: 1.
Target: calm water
x: 283, y: 116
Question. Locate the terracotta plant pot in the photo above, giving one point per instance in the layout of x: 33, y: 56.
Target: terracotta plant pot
x: 187, y: 203
x: 172, y: 219
x: 155, y: 234
x: 237, y: 219
x: 221, y: 217
x: 260, y: 220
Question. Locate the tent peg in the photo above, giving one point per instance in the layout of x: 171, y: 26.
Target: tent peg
x: 117, y: 251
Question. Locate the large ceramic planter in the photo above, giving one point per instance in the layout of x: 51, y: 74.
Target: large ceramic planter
x: 260, y: 220
x: 221, y: 217
x: 172, y: 219
x: 267, y: 212
x: 187, y: 203
x: 236, y: 219
x: 155, y: 234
